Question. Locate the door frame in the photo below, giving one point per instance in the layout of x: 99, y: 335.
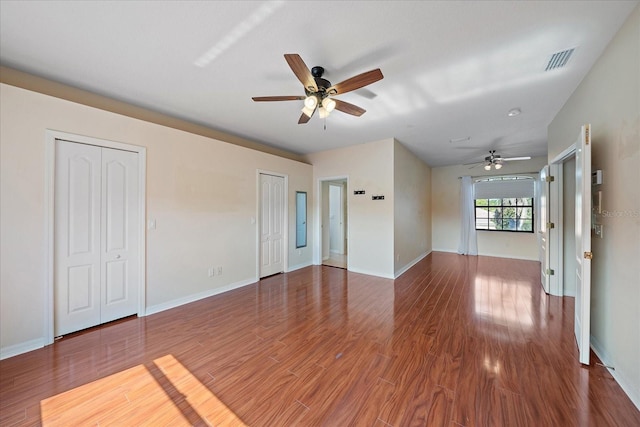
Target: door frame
x: 285, y: 226
x: 554, y: 242
x: 557, y: 217
x: 317, y: 225
x: 50, y: 164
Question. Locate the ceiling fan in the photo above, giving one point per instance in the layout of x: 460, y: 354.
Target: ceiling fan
x: 319, y: 92
x: 495, y: 160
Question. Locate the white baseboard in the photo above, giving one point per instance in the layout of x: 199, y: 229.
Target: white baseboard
x: 372, y: 273
x: 509, y: 257
x: 411, y: 264
x: 451, y: 251
x: 195, y: 297
x: 626, y: 386
x: 24, y: 347
x: 299, y: 266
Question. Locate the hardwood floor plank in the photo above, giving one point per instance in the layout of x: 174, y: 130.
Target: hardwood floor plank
x: 455, y: 341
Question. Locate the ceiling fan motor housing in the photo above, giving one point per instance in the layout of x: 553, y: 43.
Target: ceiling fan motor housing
x: 322, y: 84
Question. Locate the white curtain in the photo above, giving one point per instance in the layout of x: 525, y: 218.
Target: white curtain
x: 468, y: 241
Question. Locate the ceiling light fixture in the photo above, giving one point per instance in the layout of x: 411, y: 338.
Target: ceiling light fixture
x: 328, y: 104
x: 311, y: 102
x: 514, y: 112
x: 493, y: 160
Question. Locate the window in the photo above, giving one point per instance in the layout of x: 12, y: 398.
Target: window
x: 504, y: 204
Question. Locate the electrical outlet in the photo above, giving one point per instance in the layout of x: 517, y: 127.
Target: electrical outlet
x: 212, y: 271
x: 219, y: 271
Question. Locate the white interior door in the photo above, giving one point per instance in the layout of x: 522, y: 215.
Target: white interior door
x: 77, y: 237
x: 119, y: 242
x: 543, y: 233
x: 582, y: 324
x: 96, y: 229
x: 271, y: 224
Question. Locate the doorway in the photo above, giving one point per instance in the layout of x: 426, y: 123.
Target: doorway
x: 334, y: 223
x: 95, y: 228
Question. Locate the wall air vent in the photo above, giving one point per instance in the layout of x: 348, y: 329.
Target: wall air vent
x: 559, y: 59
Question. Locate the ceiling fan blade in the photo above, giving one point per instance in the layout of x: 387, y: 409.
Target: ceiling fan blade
x: 277, y: 98
x: 304, y: 118
x: 301, y: 71
x: 348, y: 108
x: 508, y: 159
x: 356, y: 82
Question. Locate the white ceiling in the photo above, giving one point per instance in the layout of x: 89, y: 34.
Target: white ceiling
x: 452, y: 69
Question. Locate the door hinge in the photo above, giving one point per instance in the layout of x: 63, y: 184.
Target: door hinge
x: 588, y: 255
x: 551, y: 225
x: 587, y: 135
x: 550, y: 272
x: 549, y: 178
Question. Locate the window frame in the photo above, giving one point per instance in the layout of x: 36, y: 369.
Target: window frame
x: 502, y: 205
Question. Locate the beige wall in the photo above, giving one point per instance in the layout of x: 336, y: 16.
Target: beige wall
x: 445, y: 195
x: 368, y: 167
x: 412, y: 208
x: 201, y: 191
x: 609, y: 99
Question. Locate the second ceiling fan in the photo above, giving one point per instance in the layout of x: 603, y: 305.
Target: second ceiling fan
x: 495, y: 160
x: 319, y: 92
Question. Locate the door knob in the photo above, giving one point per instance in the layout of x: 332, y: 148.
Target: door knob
x: 117, y: 256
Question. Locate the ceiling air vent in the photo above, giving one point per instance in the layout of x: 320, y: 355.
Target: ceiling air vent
x: 559, y: 59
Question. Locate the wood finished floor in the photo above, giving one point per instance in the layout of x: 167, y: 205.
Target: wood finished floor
x: 455, y: 341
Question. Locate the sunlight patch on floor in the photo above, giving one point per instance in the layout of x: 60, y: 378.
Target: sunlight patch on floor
x: 164, y: 393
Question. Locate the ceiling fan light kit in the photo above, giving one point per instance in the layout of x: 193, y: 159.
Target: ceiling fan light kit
x: 311, y: 102
x: 494, y: 160
x: 319, y: 91
x: 329, y: 104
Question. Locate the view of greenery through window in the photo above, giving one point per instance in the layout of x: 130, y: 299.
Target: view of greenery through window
x: 512, y: 214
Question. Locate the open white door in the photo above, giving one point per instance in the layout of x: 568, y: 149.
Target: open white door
x: 583, y: 243
x: 543, y: 200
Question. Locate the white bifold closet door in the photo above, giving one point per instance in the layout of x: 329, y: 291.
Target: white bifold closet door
x: 96, y: 236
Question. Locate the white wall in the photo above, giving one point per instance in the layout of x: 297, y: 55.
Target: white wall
x: 201, y: 191
x: 445, y: 196
x: 412, y: 208
x: 370, y: 229
x: 609, y: 99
